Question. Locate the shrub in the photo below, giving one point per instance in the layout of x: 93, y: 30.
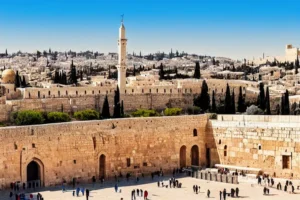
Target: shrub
x: 144, y: 113
x: 87, y: 115
x: 212, y: 116
x: 54, y: 117
x: 254, y: 110
x: 172, y: 111
x: 193, y: 110
x: 28, y: 117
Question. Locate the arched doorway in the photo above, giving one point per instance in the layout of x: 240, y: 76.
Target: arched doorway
x: 195, y: 155
x: 102, y: 166
x: 182, y: 159
x: 33, y: 171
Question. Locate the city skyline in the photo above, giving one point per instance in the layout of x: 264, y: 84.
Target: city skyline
x: 230, y: 29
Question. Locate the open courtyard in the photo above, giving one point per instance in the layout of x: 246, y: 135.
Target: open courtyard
x: 107, y: 191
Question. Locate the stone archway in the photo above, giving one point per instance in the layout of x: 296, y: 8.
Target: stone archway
x: 182, y: 157
x: 34, y: 173
x: 102, y: 166
x: 195, y: 155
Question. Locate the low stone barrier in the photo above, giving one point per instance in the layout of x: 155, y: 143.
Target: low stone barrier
x: 225, y: 178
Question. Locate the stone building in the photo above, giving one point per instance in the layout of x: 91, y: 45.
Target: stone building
x: 52, y: 153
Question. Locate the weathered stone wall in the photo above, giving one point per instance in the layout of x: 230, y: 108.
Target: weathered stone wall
x: 258, y: 141
x: 68, y: 150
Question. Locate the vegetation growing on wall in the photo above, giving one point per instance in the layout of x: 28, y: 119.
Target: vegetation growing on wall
x: 29, y: 117
x: 172, y: 111
x: 87, y: 115
x: 54, y: 117
x: 144, y: 113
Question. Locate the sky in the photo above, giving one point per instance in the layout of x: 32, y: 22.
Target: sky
x: 230, y: 28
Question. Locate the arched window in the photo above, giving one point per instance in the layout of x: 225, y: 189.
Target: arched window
x: 58, y: 93
x: 157, y: 90
x: 149, y: 90
x: 49, y: 93
x: 76, y: 93
x: 164, y: 90
x: 39, y: 94
x: 170, y: 90
x: 195, y: 133
x: 93, y: 92
x: 142, y: 90
x: 132, y: 90
x: 29, y: 95
x: 220, y: 142
x: 66, y: 92
x: 225, y: 150
x: 85, y: 92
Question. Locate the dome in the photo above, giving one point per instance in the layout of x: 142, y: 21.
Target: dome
x: 8, y: 76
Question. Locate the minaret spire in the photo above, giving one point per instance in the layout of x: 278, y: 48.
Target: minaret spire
x: 122, y: 43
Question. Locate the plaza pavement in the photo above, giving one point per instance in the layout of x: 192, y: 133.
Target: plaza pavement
x: 107, y: 192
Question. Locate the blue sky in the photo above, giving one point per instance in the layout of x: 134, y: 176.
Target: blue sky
x: 232, y: 28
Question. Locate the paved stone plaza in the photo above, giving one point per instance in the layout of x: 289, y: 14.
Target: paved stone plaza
x: 247, y: 191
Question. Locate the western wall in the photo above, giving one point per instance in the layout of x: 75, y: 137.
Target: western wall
x: 100, y: 148
x: 104, y: 148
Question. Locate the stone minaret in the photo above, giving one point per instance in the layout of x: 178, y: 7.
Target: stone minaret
x: 122, y: 42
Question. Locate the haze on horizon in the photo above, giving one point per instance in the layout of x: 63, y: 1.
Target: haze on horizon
x: 232, y: 28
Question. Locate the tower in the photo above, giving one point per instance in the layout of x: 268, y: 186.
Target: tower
x: 122, y: 42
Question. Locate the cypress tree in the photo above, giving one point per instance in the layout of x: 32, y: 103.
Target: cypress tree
x: 117, y: 106
x: 197, y: 74
x: 227, y: 100
x: 109, y: 75
x: 286, y: 103
x: 233, y: 102
x: 278, y: 109
x: 56, y: 76
x: 203, y: 100
x: 262, y: 103
x: 241, y: 102
x: 213, y: 104
x: 23, y: 82
x: 122, y: 109
x: 296, y: 65
x: 81, y: 75
x: 6, y: 54
x: 268, y: 109
x: 282, y: 105
x: 105, y: 109
x: 17, y: 80
x: 161, y: 72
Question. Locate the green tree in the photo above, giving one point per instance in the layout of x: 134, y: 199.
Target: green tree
x: 203, y: 100
x: 134, y: 71
x: 227, y: 100
x: 241, y: 102
x: 213, y: 104
x: 197, y: 74
x: 233, y: 102
x: 86, y: 115
x: 73, y: 76
x: 296, y: 65
x: 17, y: 80
x: 105, y: 109
x: 117, y: 106
x: 28, y: 117
x: 161, y: 72
x: 122, y: 109
x: 268, y: 109
x: 286, y: 103
x: 6, y: 54
x: 262, y: 102
x: 282, y: 110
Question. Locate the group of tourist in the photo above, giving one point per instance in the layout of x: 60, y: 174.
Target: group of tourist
x: 269, y: 182
x: 139, y: 193
x: 22, y: 196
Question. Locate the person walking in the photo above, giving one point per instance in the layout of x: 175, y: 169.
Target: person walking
x: 11, y: 195
x: 146, y: 195
x: 208, y: 193
x: 94, y: 181
x: 116, y: 187
x: 87, y: 194
x: 237, y: 190
x: 220, y: 195
x: 82, y: 191
x: 224, y: 194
